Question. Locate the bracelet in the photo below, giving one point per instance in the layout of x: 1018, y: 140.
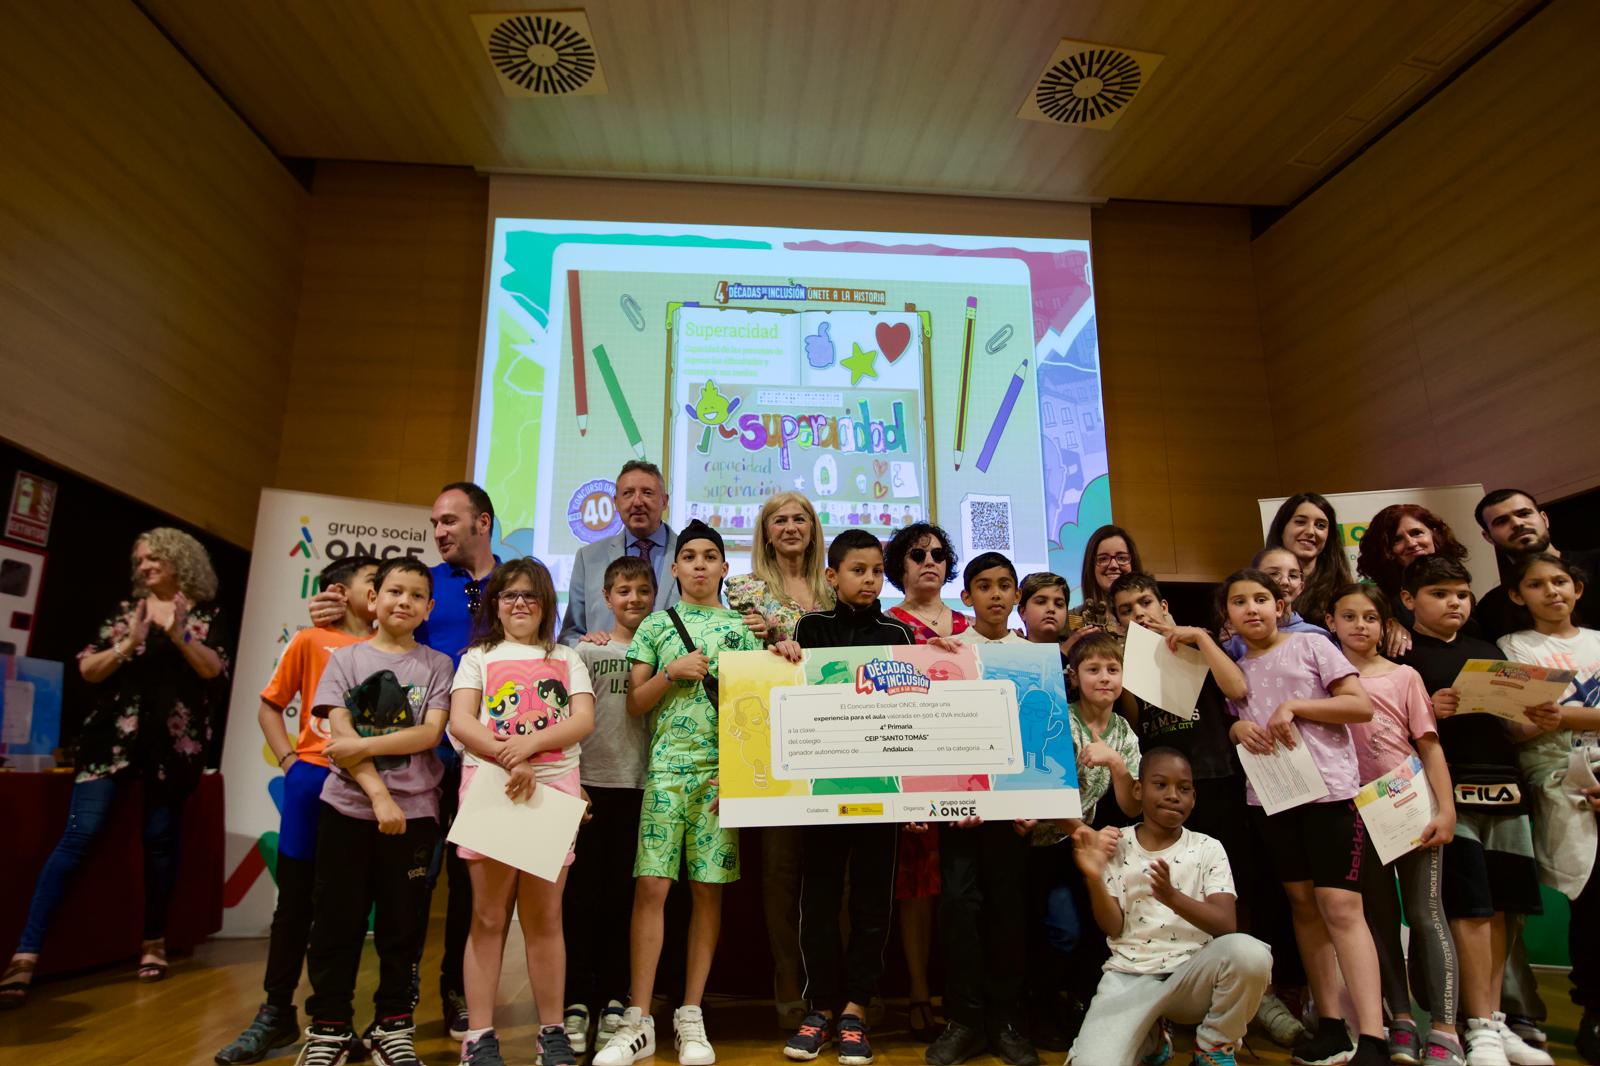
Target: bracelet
x: 284, y: 756
x: 122, y: 656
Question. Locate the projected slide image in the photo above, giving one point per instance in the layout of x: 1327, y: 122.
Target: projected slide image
x: 889, y: 381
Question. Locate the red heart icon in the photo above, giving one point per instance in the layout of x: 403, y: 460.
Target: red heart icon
x: 892, y: 340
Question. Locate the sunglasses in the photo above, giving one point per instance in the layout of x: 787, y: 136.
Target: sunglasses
x: 474, y: 591
x: 917, y: 555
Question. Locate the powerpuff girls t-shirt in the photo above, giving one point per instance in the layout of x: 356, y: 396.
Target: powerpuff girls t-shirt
x: 526, y: 690
x: 386, y: 692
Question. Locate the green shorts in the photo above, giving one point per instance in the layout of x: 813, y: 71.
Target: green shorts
x: 676, y: 817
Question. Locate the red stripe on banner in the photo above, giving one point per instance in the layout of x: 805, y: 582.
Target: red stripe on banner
x: 250, y: 867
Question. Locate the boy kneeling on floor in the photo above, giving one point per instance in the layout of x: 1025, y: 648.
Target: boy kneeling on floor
x: 1164, y: 897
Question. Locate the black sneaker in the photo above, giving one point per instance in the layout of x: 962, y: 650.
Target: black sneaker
x: 955, y: 1045
x: 808, y: 1040
x: 455, y: 1015
x: 273, y: 1028
x: 394, y: 1042
x: 854, y: 1047
x: 326, y: 1045
x: 555, y: 1047
x: 1588, y: 1041
x: 1329, y: 1046
x: 484, y: 1051
x: 1013, y: 1047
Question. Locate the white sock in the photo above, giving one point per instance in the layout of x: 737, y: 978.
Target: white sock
x: 474, y: 1034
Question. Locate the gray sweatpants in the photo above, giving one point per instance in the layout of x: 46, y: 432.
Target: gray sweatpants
x: 1219, y: 987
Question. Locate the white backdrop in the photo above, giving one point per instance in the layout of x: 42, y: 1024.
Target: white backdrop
x: 1454, y: 504
x: 297, y: 534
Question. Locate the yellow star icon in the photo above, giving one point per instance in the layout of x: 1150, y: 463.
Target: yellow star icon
x: 861, y: 364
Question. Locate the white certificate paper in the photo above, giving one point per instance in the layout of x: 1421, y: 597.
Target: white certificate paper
x: 1286, y: 778
x: 1506, y: 689
x: 1155, y: 673
x: 531, y: 834
x: 1395, y: 808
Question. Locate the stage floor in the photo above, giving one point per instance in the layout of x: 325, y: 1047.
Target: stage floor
x: 106, y: 1017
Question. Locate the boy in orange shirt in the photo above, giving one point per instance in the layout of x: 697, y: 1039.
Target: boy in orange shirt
x: 304, y: 770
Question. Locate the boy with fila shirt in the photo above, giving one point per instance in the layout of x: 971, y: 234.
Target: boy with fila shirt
x: 600, y: 882
x: 855, y: 573
x: 305, y: 768
x: 1163, y: 895
x: 386, y: 700
x: 1489, y: 868
x: 990, y: 589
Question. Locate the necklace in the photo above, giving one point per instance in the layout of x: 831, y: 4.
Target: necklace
x: 931, y: 623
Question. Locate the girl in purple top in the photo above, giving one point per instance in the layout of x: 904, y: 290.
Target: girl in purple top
x: 1300, y: 688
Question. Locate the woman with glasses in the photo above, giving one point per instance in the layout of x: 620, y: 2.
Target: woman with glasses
x: 1109, y: 554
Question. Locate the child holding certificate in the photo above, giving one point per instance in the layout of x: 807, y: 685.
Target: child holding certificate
x: 1402, y: 725
x: 1560, y: 766
x: 1301, y: 690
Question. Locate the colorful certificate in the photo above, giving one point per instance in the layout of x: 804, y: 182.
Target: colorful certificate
x: 895, y: 734
x: 1395, y: 808
x: 1507, y: 689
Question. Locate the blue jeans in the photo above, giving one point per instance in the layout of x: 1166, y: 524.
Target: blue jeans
x: 86, y: 817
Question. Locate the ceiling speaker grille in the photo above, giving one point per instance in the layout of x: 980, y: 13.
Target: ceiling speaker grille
x: 1088, y: 85
x: 542, y: 53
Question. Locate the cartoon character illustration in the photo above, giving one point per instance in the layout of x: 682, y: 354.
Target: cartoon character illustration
x: 711, y: 410
x: 502, y: 706
x: 526, y: 696
x: 1042, y: 722
x: 381, y: 704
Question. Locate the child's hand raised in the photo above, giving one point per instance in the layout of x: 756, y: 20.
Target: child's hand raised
x: 516, y: 751
x: 1446, y: 702
x: 1251, y: 737
x: 391, y: 819
x: 1546, y: 717
x: 1189, y: 635
x: 789, y: 650
x: 522, y: 782
x: 691, y: 667
x: 1098, y: 753
x: 1281, y: 725
x: 1092, y: 849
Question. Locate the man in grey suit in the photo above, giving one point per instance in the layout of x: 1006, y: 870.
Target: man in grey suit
x: 641, y: 498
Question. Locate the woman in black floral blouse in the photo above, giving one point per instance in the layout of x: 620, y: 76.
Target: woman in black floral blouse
x: 156, y: 663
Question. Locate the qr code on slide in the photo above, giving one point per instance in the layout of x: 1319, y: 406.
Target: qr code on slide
x: 987, y: 522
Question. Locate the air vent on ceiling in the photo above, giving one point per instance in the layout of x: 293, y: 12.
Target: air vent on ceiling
x: 1087, y: 84
x: 542, y: 53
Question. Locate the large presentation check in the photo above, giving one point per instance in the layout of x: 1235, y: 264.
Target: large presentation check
x: 895, y: 734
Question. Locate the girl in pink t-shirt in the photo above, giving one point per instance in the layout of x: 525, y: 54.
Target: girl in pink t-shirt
x: 1403, y: 726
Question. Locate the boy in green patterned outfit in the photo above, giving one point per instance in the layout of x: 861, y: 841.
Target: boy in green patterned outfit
x: 668, y: 680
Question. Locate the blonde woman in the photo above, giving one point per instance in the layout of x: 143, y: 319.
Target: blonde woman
x: 154, y: 665
x: 785, y: 581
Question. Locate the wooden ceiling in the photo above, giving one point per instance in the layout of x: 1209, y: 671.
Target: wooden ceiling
x: 1254, y: 102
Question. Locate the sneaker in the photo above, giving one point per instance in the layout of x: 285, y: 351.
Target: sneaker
x: 273, y: 1028
x: 484, y: 1051
x: 956, y: 1044
x: 689, y: 1033
x: 854, y: 1047
x: 1213, y: 1056
x: 1588, y: 1041
x: 1528, y: 1030
x: 808, y: 1040
x: 1443, y: 1050
x: 555, y: 1047
x: 1404, y: 1044
x: 1275, y: 1019
x: 576, y: 1022
x: 1370, y: 1051
x: 326, y: 1045
x: 1160, y: 1044
x: 1517, y: 1050
x: 610, y: 1018
x: 1329, y: 1046
x: 455, y: 1015
x: 1012, y: 1047
x: 634, y: 1039
x: 1484, y: 1047
x: 394, y: 1043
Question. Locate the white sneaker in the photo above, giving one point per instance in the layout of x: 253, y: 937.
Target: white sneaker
x: 610, y: 1018
x: 1517, y: 1050
x: 1484, y: 1046
x: 634, y: 1039
x: 694, y: 1047
x: 1278, y: 1021
x: 576, y: 1023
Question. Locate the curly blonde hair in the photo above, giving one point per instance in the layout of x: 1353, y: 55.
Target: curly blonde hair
x: 188, y: 559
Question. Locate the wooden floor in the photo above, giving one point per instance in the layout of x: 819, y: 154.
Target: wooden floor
x: 107, y: 1018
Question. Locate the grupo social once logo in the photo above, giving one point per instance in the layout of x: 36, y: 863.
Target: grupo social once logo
x: 946, y: 808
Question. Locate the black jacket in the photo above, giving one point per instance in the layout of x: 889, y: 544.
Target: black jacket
x: 851, y: 627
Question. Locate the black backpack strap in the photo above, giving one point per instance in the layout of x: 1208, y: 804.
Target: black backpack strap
x: 683, y: 630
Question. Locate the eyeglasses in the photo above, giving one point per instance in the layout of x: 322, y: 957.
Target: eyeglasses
x: 1121, y: 559
x: 474, y: 591
x: 528, y: 599
x: 917, y: 555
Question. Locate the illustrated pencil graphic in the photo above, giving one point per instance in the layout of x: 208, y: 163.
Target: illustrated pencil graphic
x: 618, y: 400
x: 966, y: 380
x: 1002, y: 417
x: 580, y: 383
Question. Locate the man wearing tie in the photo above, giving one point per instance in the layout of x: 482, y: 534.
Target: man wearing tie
x: 641, y: 498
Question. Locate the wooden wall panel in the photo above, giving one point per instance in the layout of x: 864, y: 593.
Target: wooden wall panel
x: 1432, y: 315
x: 149, y: 266
x: 1188, y: 421
x: 386, y: 343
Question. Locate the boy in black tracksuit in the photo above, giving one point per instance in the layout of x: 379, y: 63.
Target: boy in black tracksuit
x: 855, y: 572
